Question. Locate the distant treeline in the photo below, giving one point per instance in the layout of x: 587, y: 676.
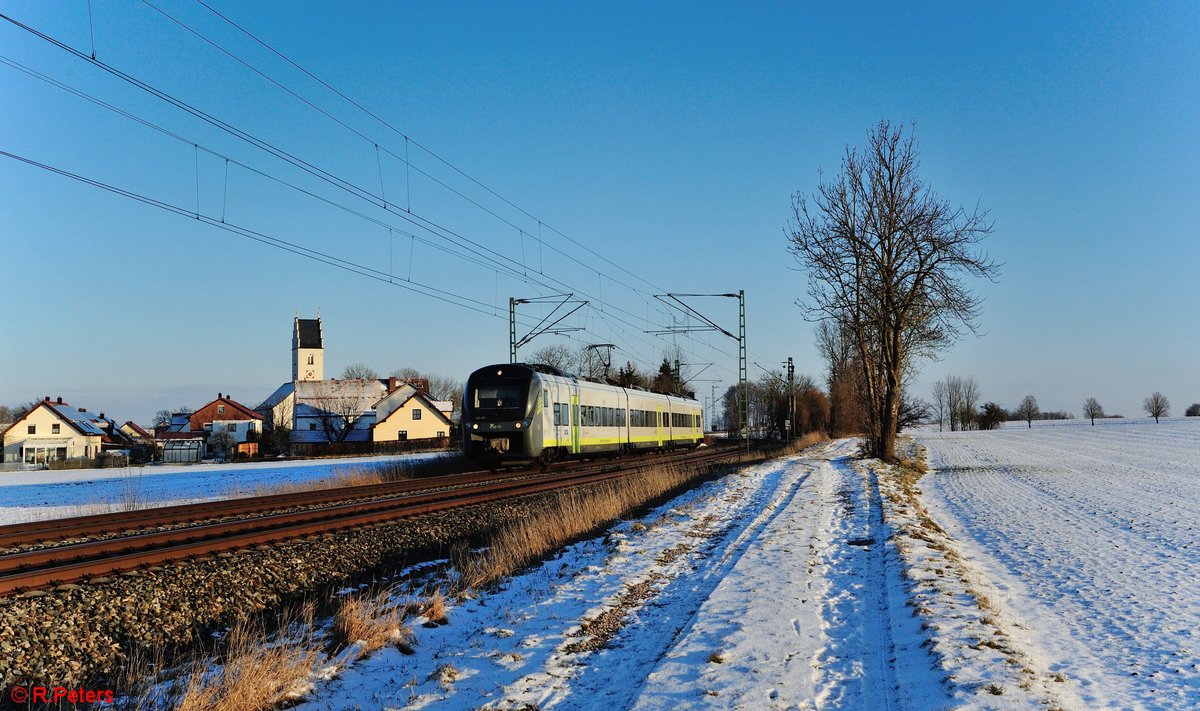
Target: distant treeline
x: 1059, y: 415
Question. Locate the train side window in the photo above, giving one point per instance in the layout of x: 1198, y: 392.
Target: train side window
x: 545, y: 398
x: 556, y: 415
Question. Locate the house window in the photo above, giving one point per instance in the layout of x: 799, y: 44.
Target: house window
x: 402, y: 435
x: 33, y: 429
x: 231, y: 428
x: 220, y: 409
x: 208, y: 427
x: 55, y: 428
x: 441, y: 433
x: 310, y: 359
x: 312, y: 425
x: 416, y: 413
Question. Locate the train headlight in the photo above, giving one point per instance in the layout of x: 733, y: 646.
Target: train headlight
x: 518, y: 425
x: 475, y: 426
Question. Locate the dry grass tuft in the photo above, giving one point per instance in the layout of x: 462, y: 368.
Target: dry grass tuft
x: 373, y: 620
x: 434, y: 608
x: 256, y: 674
x: 716, y: 658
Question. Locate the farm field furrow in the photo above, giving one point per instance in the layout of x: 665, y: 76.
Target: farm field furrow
x: 1090, y: 535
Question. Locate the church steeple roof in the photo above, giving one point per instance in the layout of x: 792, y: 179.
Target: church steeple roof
x: 308, y: 333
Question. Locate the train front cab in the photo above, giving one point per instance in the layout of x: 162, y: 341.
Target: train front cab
x: 500, y: 421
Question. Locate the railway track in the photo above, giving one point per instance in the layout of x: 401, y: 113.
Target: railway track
x: 114, y: 543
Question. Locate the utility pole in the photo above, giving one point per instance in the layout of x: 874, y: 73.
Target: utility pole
x: 744, y: 380
x: 538, y: 330
x: 791, y: 398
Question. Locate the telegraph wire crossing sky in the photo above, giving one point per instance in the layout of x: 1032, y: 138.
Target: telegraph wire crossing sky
x: 408, y: 169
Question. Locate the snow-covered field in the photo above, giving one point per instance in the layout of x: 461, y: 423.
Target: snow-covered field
x: 1089, y: 540
x: 37, y: 495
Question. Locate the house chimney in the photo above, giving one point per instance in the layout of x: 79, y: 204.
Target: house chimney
x: 59, y: 399
x: 83, y: 409
x: 102, y: 415
x: 47, y: 398
x: 218, y: 396
x: 393, y: 384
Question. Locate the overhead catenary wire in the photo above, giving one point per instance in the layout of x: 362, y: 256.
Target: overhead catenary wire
x: 329, y: 177
x: 408, y: 139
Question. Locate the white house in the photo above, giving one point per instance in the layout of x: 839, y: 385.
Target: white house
x: 52, y: 431
x: 407, y: 413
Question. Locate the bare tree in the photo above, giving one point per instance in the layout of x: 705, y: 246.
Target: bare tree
x: 962, y: 394
x: 913, y: 412
x: 844, y: 378
x: 556, y: 356
x: 1092, y: 409
x: 1156, y: 406
x: 886, y: 258
x: 1028, y: 410
x: 338, y: 406
x: 162, y: 418
x: 356, y: 371
x: 939, y: 402
x: 222, y: 443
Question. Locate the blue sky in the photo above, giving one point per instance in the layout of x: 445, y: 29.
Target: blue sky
x: 666, y: 137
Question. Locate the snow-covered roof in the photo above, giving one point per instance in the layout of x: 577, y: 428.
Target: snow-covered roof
x: 281, y: 393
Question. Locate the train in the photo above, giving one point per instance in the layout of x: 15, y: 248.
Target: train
x: 520, y: 413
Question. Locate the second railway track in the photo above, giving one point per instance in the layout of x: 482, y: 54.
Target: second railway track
x: 265, y: 520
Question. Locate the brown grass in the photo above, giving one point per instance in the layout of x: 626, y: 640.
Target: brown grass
x: 255, y: 675
x: 434, y: 608
x: 358, y: 476
x: 374, y: 620
x: 568, y: 515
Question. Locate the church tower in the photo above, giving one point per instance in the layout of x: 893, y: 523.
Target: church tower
x: 308, y: 352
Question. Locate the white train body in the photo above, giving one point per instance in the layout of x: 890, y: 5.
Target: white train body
x: 517, y: 412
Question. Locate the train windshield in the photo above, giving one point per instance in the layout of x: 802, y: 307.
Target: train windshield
x: 498, y: 394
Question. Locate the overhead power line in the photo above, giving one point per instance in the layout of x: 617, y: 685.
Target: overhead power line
x: 496, y: 260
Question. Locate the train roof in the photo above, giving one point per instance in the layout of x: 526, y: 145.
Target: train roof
x: 551, y: 370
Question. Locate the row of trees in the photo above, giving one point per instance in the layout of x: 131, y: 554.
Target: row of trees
x: 955, y: 398
x: 770, y: 406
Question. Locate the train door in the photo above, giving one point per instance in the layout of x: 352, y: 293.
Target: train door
x: 658, y: 424
x: 575, y: 422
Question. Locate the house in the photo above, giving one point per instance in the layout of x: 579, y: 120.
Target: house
x: 407, y: 412
x: 53, y: 431
x: 228, y: 416
x: 134, y: 432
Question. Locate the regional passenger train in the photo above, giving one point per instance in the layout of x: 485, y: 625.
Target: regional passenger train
x: 518, y: 412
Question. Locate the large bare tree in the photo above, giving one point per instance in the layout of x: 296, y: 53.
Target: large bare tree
x: 886, y: 258
x: 1092, y: 409
x: 1028, y: 410
x: 1157, y: 406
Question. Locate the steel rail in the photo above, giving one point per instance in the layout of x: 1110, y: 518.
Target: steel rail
x: 37, y: 532
x: 70, y: 563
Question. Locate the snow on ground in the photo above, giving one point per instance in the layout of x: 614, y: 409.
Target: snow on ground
x: 44, y: 494
x: 772, y: 588
x: 1087, y: 543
